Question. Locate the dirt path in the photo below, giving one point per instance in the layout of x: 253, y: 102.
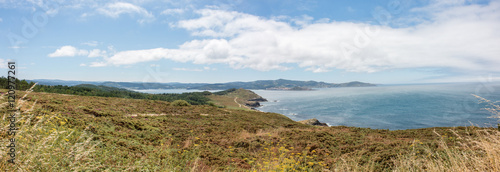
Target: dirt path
x: 236, y: 101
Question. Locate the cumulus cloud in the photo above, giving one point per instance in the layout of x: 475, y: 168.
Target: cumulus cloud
x: 454, y: 35
x: 114, y: 10
x: 68, y: 51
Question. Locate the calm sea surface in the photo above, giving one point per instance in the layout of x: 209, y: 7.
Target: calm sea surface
x: 388, y: 107
x: 385, y: 107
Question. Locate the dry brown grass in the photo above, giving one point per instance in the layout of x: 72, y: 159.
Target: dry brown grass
x: 480, y: 152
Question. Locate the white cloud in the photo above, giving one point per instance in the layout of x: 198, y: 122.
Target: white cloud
x: 91, y: 43
x: 206, y: 68
x: 459, y: 37
x: 114, y: 10
x: 1, y: 20
x: 188, y: 69
x: 97, y: 64
x: 68, y: 51
x: 97, y: 53
x: 172, y: 11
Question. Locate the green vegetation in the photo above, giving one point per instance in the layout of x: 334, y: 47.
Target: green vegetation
x: 180, y: 103
x: 234, y: 98
x: 20, y: 84
x: 195, y: 98
x: 60, y: 132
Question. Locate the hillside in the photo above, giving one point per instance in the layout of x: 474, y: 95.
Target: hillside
x: 236, y: 99
x: 281, y: 84
x: 60, y: 132
x: 196, y: 98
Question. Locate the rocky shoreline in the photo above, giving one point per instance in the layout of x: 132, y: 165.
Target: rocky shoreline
x: 254, y: 103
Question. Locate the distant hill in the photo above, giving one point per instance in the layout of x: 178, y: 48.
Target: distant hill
x: 151, y: 85
x: 63, y: 82
x: 280, y: 84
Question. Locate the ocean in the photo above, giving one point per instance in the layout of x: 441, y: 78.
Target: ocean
x: 393, y: 107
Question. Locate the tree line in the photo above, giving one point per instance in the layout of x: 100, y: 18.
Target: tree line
x: 20, y: 84
x: 194, y: 98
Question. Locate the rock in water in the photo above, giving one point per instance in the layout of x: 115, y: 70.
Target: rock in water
x: 313, y: 121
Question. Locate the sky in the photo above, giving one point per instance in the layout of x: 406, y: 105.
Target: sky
x: 213, y: 41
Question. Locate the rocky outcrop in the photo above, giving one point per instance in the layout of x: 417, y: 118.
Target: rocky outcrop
x: 260, y: 99
x: 252, y: 104
x: 313, y: 121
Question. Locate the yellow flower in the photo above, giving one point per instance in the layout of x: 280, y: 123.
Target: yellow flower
x: 66, y: 140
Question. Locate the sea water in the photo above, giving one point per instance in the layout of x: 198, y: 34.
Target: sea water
x: 388, y: 107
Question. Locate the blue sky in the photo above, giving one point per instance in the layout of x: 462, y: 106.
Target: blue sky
x: 386, y: 41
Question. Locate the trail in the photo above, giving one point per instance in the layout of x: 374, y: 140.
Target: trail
x: 236, y: 101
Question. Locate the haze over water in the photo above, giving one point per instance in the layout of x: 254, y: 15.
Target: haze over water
x: 388, y: 107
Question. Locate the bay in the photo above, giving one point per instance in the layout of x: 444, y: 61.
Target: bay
x: 391, y: 107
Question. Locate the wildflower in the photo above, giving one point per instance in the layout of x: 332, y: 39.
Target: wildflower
x: 66, y: 140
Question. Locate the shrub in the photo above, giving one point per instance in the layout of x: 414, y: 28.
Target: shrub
x: 180, y: 103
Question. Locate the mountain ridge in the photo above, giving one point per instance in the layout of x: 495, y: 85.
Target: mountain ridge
x: 258, y: 84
